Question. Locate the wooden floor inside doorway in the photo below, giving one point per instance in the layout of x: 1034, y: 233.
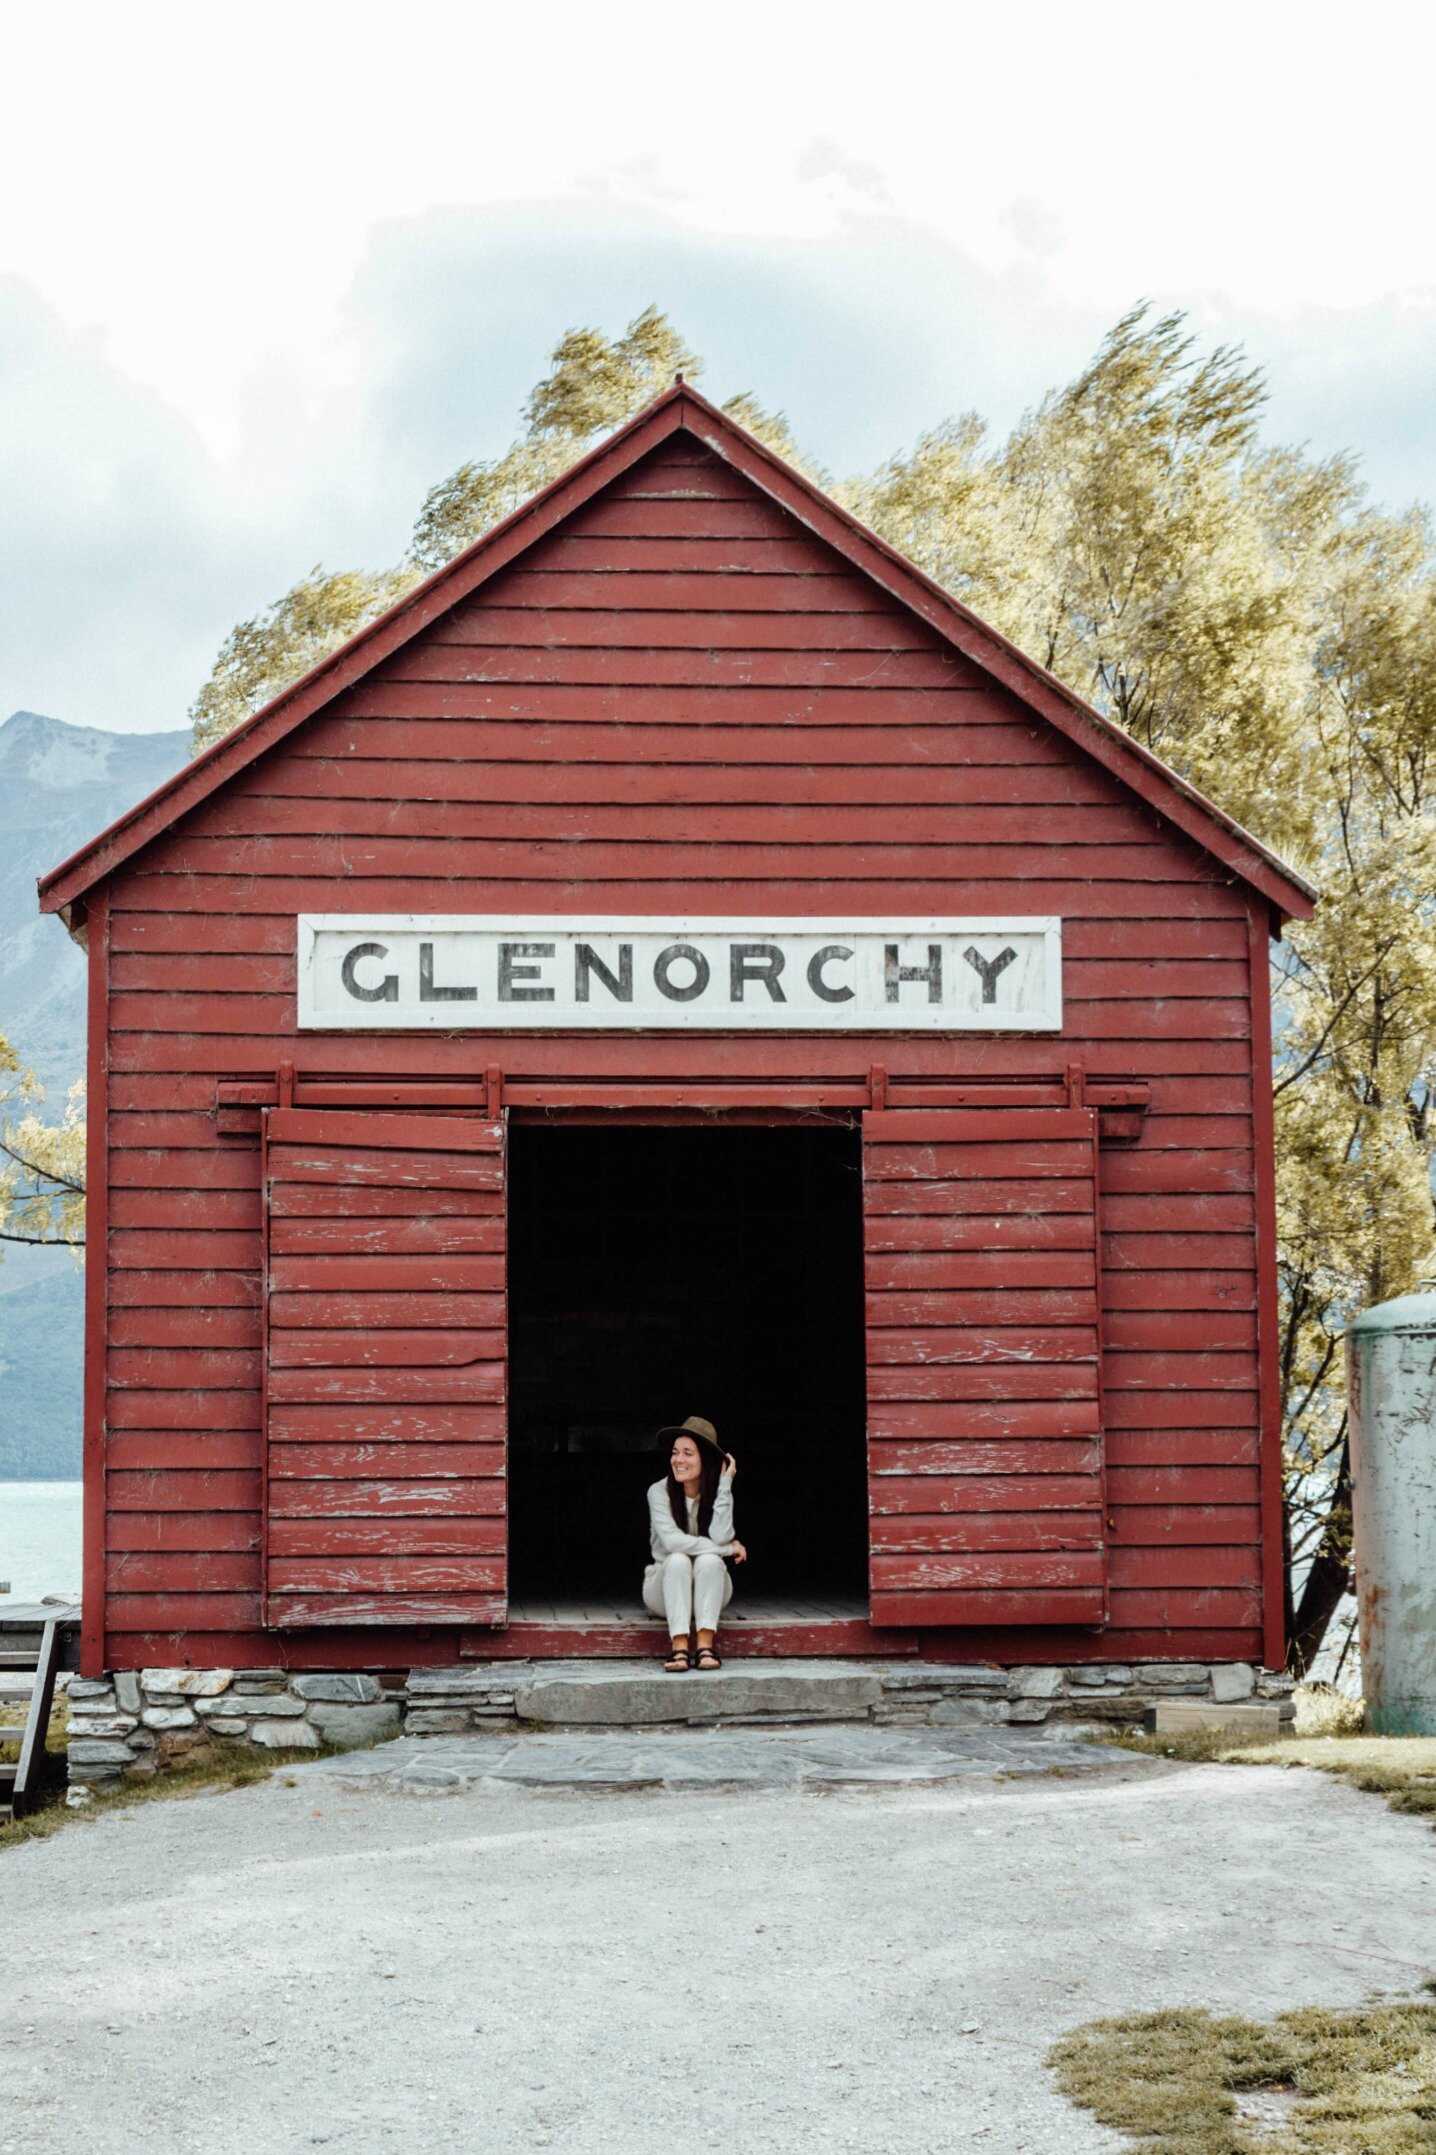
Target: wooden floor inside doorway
x: 805, y: 1626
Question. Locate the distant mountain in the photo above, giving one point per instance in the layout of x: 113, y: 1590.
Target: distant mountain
x: 59, y: 785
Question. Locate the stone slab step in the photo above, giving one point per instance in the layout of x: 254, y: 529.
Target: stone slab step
x: 617, y: 1696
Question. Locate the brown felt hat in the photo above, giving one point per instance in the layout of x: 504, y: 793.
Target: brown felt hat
x: 695, y: 1426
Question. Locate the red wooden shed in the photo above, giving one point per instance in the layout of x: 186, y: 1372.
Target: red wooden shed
x: 678, y: 960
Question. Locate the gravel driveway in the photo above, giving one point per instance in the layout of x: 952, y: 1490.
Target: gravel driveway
x: 334, y: 1960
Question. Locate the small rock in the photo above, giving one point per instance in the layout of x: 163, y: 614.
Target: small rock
x: 127, y: 1691
x: 76, y: 1798
x: 351, y: 1725
x: 958, y: 1676
x: 168, y: 1717
x: 453, y: 1686
x: 338, y: 1689
x: 180, y: 1743
x: 101, y: 1725
x: 1036, y: 1684
x: 271, y: 1707
x: 284, y: 1736
x: 1232, y: 1682
x: 97, y: 1778
x: 186, y: 1683
x: 100, y: 1751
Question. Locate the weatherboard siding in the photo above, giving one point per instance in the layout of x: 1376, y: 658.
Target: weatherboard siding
x: 682, y: 702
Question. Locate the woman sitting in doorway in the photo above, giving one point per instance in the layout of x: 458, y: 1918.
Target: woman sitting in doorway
x: 690, y: 1518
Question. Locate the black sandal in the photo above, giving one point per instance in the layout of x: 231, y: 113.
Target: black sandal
x: 679, y: 1662
x: 707, y: 1660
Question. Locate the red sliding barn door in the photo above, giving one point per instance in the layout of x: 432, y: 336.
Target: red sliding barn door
x: 385, y: 1341
x: 984, y: 1432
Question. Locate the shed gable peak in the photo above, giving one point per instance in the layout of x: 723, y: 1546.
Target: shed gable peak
x: 682, y: 431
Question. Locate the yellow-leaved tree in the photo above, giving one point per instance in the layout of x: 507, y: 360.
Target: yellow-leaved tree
x: 1243, y: 611
x: 592, y: 386
x: 42, y: 1163
x: 1247, y: 614
x: 262, y: 657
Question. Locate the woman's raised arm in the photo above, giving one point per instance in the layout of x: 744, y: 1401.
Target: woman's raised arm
x: 671, y: 1538
x: 720, y: 1526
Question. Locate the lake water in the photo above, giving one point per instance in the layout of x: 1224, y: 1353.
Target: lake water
x: 40, y: 1538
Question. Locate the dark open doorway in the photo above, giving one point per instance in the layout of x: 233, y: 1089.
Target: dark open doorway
x: 656, y: 1272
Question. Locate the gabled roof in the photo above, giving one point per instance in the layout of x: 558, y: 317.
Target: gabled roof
x: 682, y: 410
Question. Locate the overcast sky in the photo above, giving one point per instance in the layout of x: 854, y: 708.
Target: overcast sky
x: 269, y: 270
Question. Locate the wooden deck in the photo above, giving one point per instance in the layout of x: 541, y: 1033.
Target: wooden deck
x: 773, y: 1609
x: 616, y: 1630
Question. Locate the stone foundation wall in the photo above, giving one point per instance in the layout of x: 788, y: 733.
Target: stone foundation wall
x: 137, y: 1722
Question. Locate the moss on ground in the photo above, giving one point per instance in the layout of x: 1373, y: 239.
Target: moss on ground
x: 1361, y: 2082
x: 1191, y: 1746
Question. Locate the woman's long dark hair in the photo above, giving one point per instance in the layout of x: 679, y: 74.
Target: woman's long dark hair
x: 711, y: 1462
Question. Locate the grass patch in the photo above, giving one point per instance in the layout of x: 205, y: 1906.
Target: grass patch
x: 14, y: 1713
x: 1400, y: 1768
x: 1364, y: 2081
x: 212, y: 1775
x: 1192, y: 1746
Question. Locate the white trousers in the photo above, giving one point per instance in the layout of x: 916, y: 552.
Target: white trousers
x: 689, y: 1590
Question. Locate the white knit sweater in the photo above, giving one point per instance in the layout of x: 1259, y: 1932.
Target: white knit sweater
x: 668, y: 1540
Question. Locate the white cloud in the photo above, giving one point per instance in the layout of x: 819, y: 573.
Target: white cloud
x: 272, y: 271
x: 205, y: 182
x: 1035, y: 225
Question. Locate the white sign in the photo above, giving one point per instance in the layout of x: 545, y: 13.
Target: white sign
x: 486, y: 972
